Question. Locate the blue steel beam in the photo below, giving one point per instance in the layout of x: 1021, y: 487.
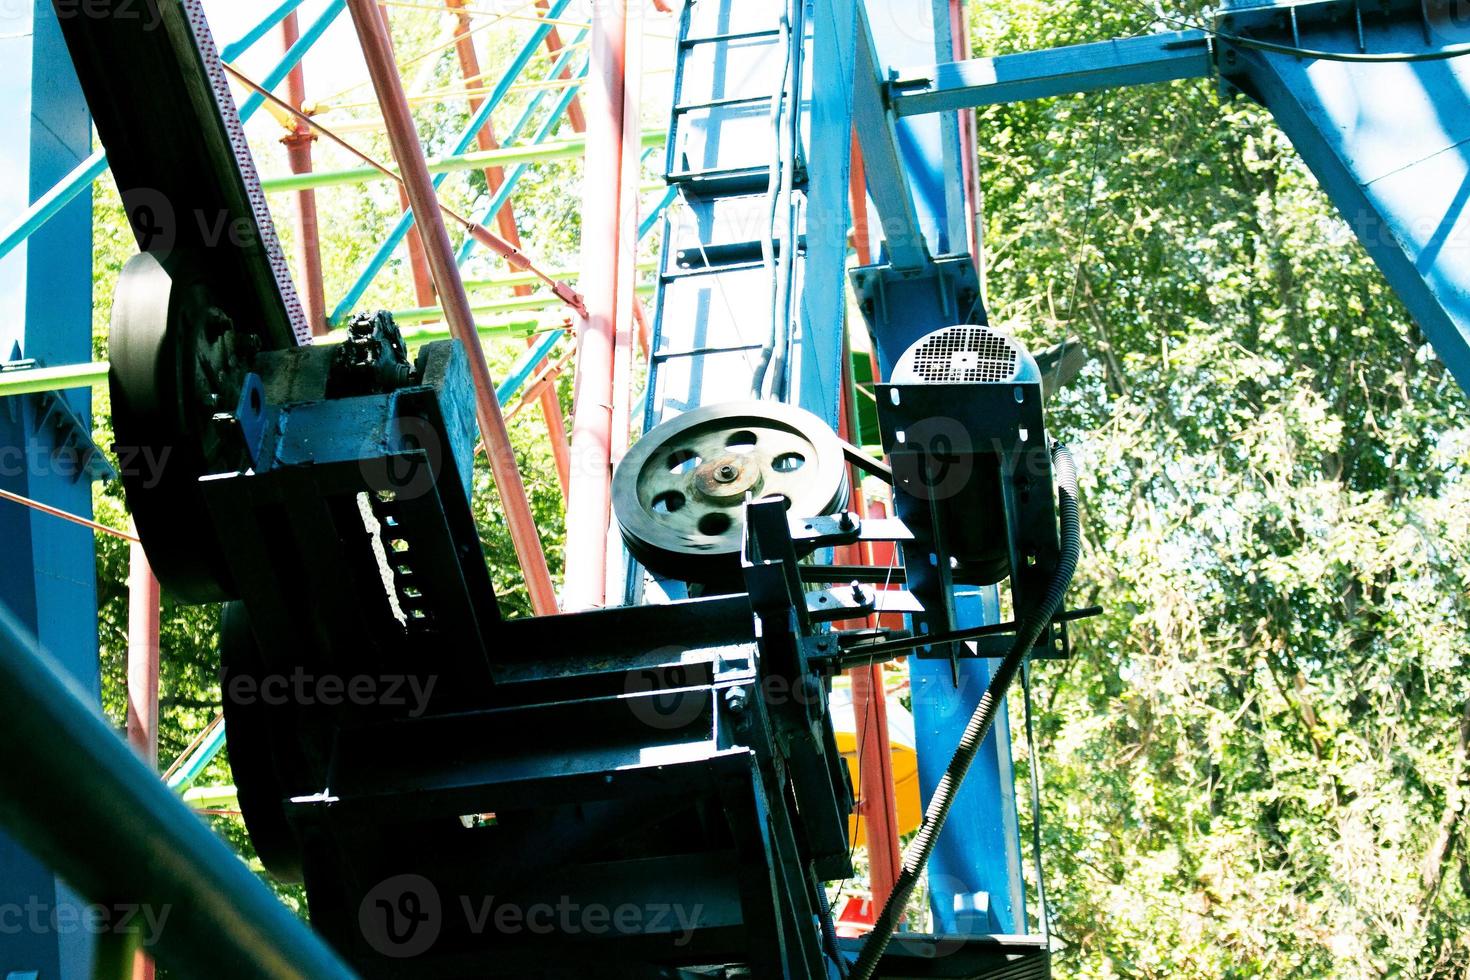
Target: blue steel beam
x: 1388, y: 141
x: 292, y: 57
x: 974, y: 874
x: 1057, y: 71
x: 888, y: 182
x: 49, y: 578
x: 232, y: 51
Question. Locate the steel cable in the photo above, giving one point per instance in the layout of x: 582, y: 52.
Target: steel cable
x: 981, y: 720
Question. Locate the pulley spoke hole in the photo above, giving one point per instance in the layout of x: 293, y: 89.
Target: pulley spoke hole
x: 788, y: 462
x: 683, y: 461
x: 668, y: 502
x: 741, y: 442
x: 714, y: 524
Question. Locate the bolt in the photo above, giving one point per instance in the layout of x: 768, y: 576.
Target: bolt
x: 736, y: 699
x: 726, y: 473
x: 846, y: 522
x: 858, y: 595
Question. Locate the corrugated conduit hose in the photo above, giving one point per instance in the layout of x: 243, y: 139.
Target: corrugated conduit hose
x: 954, y: 775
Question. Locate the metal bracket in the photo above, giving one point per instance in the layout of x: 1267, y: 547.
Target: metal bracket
x: 845, y: 528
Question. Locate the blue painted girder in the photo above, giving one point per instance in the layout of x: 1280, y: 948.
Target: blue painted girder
x: 1390, y: 143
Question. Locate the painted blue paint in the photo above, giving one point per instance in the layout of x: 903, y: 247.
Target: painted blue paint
x: 975, y: 872
x: 49, y: 578
x: 656, y: 214
x: 467, y: 137
x: 526, y: 366
x: 1390, y: 143
x: 232, y: 51
x: 292, y: 57
x: 913, y: 32
x: 817, y: 359
x: 1056, y: 71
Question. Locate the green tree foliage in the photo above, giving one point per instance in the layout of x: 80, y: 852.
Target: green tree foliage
x: 1255, y: 765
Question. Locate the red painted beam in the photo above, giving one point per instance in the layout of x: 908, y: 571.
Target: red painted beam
x: 589, y: 504
x: 298, y: 151
x: 575, y: 115
x: 469, y: 63
x: 878, y: 799
x: 142, y: 721
x: 408, y: 150
x: 418, y: 260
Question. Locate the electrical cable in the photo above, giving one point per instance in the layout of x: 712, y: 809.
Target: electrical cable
x: 781, y: 342
x: 828, y: 927
x: 773, y: 201
x: 981, y: 720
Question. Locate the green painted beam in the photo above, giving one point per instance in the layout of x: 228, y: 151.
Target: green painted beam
x: 36, y: 380
x: 505, y: 156
x: 212, y: 798
x: 536, y: 301
x: 511, y: 280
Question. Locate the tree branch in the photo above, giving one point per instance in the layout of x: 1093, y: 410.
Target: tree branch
x: 1443, y: 844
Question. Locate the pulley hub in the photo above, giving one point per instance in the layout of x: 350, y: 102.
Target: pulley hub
x: 679, y: 494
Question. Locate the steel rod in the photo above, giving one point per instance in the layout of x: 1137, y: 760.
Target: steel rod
x: 413, y: 240
x: 403, y: 136
x: 548, y: 126
x: 143, y: 623
x: 292, y: 58
x: 546, y: 152
x: 76, y: 796
x: 36, y: 380
x: 888, y: 649
x: 84, y: 174
x: 499, y: 246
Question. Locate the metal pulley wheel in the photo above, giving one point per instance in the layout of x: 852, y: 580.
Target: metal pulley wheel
x: 177, y: 363
x: 679, y: 494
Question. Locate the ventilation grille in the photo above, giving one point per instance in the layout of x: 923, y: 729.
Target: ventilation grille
x: 965, y: 354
